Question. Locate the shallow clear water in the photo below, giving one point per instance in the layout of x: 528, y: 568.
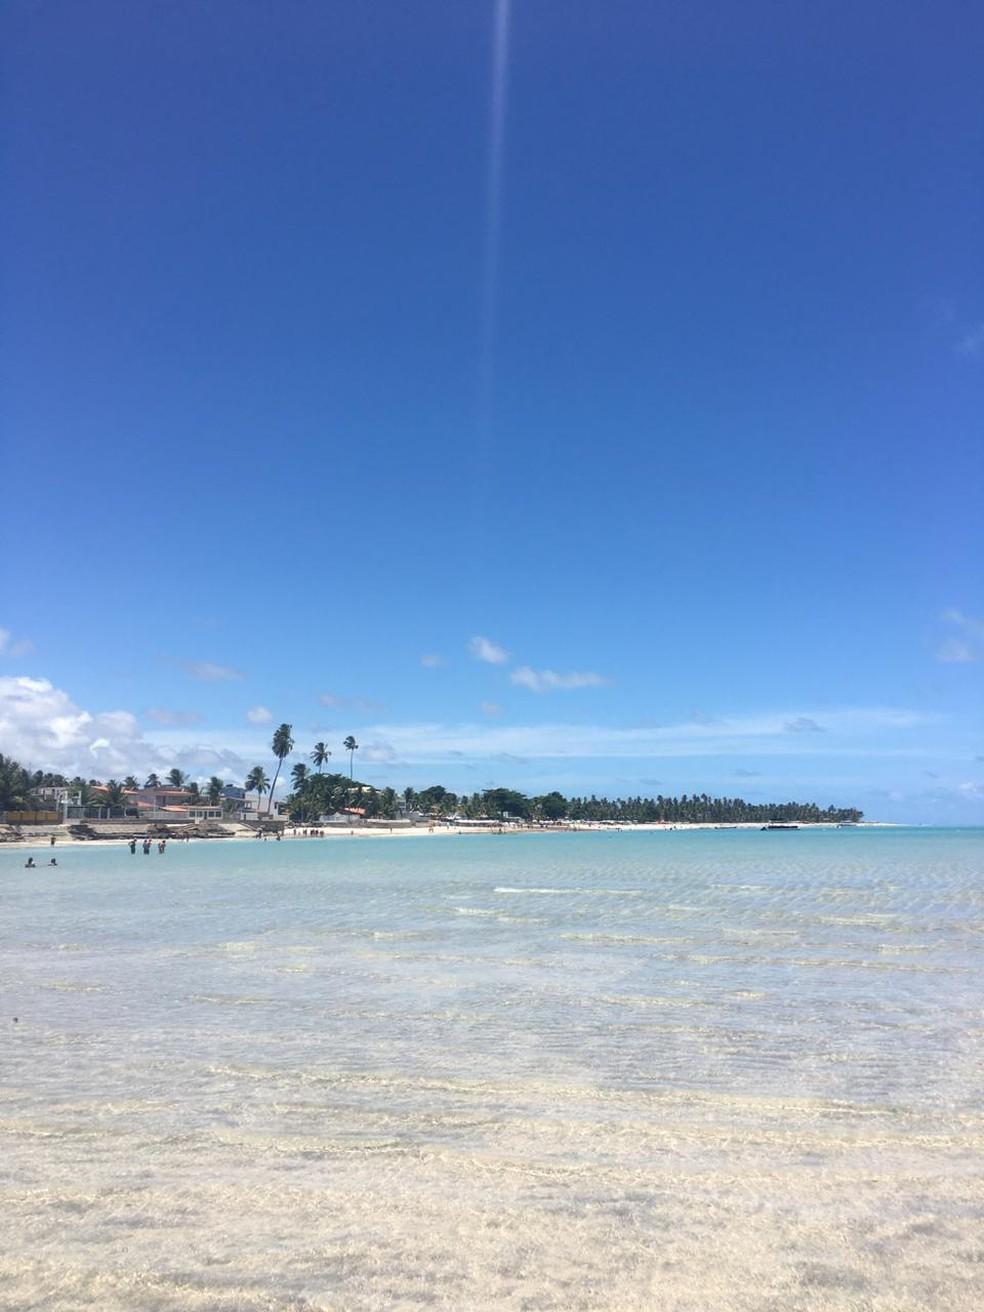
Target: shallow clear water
x: 659, y: 1070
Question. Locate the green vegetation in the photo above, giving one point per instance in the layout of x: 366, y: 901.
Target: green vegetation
x: 321, y: 794
x: 257, y: 781
x: 114, y: 798
x: 17, y: 786
x: 315, y: 795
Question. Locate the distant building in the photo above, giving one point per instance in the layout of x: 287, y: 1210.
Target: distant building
x: 165, y: 803
x: 240, y: 805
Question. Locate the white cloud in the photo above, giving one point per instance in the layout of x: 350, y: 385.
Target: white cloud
x: 491, y: 708
x: 167, y: 715
x: 551, y: 681
x: 377, y: 752
x: 41, y: 726
x: 431, y: 661
x: 969, y: 646
x: 803, y: 724
x: 955, y: 652
x: 483, y: 649
x: 972, y: 342
x: 851, y: 732
x: 338, y: 703
x: 20, y: 647
x: 207, y: 672
x: 259, y: 715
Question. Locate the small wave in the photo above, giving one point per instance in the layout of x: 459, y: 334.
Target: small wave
x: 576, y: 892
x: 626, y: 940
x: 233, y: 1000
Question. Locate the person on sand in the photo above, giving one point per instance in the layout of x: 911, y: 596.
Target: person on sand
x: 52, y: 840
x: 29, y: 864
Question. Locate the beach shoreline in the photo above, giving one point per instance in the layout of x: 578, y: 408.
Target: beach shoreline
x: 40, y: 838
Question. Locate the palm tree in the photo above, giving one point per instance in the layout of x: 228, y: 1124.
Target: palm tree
x: 152, y: 781
x: 351, y: 746
x: 114, y: 797
x: 257, y: 782
x: 194, y: 791
x: 282, y: 746
x: 299, y: 774
x: 15, y: 786
x: 320, y: 755
x: 215, y: 786
x: 130, y: 782
x: 176, y: 778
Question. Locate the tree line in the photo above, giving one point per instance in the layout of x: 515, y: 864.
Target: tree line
x: 326, y: 794
x: 316, y: 792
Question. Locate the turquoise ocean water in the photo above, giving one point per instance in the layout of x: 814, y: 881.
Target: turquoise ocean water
x: 706, y: 1070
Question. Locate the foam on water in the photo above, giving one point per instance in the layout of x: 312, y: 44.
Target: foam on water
x: 613, y: 1071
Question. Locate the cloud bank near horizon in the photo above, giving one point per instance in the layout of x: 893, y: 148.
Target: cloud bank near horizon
x: 43, y: 727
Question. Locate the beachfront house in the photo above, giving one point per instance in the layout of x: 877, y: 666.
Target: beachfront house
x: 242, y: 806
x: 165, y: 803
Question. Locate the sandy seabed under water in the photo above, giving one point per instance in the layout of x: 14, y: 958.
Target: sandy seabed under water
x: 610, y: 1077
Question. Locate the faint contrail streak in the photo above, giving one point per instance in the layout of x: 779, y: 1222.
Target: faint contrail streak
x: 493, y: 223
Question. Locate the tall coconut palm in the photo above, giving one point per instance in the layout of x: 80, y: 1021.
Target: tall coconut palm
x: 299, y: 774
x: 130, y: 782
x: 257, y: 782
x: 320, y: 755
x: 215, y: 786
x: 152, y: 781
x: 194, y: 791
x: 351, y: 746
x: 177, y: 778
x: 114, y: 796
x: 282, y: 746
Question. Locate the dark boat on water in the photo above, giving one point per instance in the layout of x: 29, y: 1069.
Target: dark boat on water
x: 778, y: 826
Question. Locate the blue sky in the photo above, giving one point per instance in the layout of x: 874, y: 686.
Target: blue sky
x: 681, y: 393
